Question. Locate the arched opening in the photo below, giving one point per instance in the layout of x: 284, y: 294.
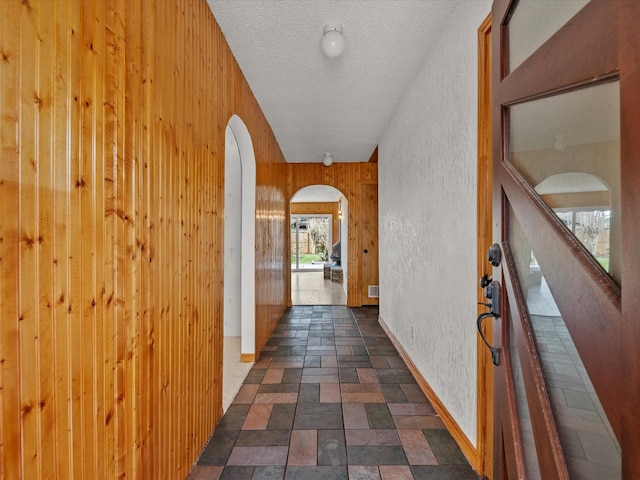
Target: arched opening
x: 239, y: 257
x: 582, y: 201
x: 319, y: 246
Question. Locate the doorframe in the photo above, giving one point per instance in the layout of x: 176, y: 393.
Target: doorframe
x: 485, y: 187
x: 326, y: 216
x: 248, y: 240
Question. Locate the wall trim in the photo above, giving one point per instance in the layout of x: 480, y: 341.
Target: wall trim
x: 248, y: 357
x: 452, y: 426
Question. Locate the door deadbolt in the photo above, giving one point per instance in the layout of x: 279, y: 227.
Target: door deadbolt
x: 494, y: 255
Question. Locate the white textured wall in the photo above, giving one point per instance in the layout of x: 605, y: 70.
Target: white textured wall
x: 232, y: 235
x: 427, y: 182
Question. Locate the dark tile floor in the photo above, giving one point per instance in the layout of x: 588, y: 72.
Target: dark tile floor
x: 330, y: 399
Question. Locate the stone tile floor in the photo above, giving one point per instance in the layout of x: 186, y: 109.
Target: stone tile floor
x: 329, y: 399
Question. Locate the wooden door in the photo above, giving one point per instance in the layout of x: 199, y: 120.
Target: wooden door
x: 369, y: 243
x: 566, y: 193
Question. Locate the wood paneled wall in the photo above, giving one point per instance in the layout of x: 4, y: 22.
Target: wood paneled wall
x: 320, y: 208
x: 113, y: 115
x: 346, y: 177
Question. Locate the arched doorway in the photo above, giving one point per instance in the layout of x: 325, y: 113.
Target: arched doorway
x: 319, y: 229
x: 239, y: 257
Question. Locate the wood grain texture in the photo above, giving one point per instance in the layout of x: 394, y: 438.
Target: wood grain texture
x: 485, y: 365
x: 368, y: 237
x: 111, y: 208
x: 347, y: 178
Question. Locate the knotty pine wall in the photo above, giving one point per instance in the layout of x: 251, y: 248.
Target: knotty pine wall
x: 113, y: 114
x: 346, y: 177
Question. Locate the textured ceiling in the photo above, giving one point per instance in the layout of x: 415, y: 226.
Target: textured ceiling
x: 315, y: 104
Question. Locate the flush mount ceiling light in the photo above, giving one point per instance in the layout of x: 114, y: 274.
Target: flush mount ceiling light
x: 327, y: 159
x: 559, y: 143
x: 332, y: 41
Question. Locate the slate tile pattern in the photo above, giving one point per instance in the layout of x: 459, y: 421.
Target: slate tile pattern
x: 330, y: 399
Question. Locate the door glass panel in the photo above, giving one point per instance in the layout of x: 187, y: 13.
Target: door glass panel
x: 590, y: 447
x: 532, y: 467
x: 567, y: 147
x: 533, y: 22
x: 310, y: 245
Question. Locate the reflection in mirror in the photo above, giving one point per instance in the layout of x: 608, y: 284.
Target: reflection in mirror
x: 589, y: 444
x: 534, y: 22
x: 567, y: 147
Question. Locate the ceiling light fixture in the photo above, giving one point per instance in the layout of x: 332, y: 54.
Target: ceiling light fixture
x: 559, y: 144
x: 332, y: 41
x: 327, y: 159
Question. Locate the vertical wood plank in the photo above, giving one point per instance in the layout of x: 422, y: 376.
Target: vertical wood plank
x: 75, y: 365
x: 85, y: 186
x: 29, y: 241
x: 98, y: 55
x: 10, y: 445
x: 110, y: 299
x: 46, y: 332
x: 132, y: 138
x: 60, y: 165
x: 111, y: 239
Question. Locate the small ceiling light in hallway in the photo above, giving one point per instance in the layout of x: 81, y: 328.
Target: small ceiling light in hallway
x: 332, y: 41
x: 327, y: 159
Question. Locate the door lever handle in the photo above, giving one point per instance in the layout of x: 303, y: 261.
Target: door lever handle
x: 495, y: 352
x: 492, y: 293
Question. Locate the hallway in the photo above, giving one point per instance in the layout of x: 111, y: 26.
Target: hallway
x: 329, y: 399
x: 311, y: 288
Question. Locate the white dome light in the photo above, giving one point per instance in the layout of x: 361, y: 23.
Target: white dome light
x: 332, y: 41
x: 327, y: 159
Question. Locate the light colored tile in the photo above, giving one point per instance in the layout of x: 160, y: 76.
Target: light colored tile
x: 310, y: 288
x: 233, y: 371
